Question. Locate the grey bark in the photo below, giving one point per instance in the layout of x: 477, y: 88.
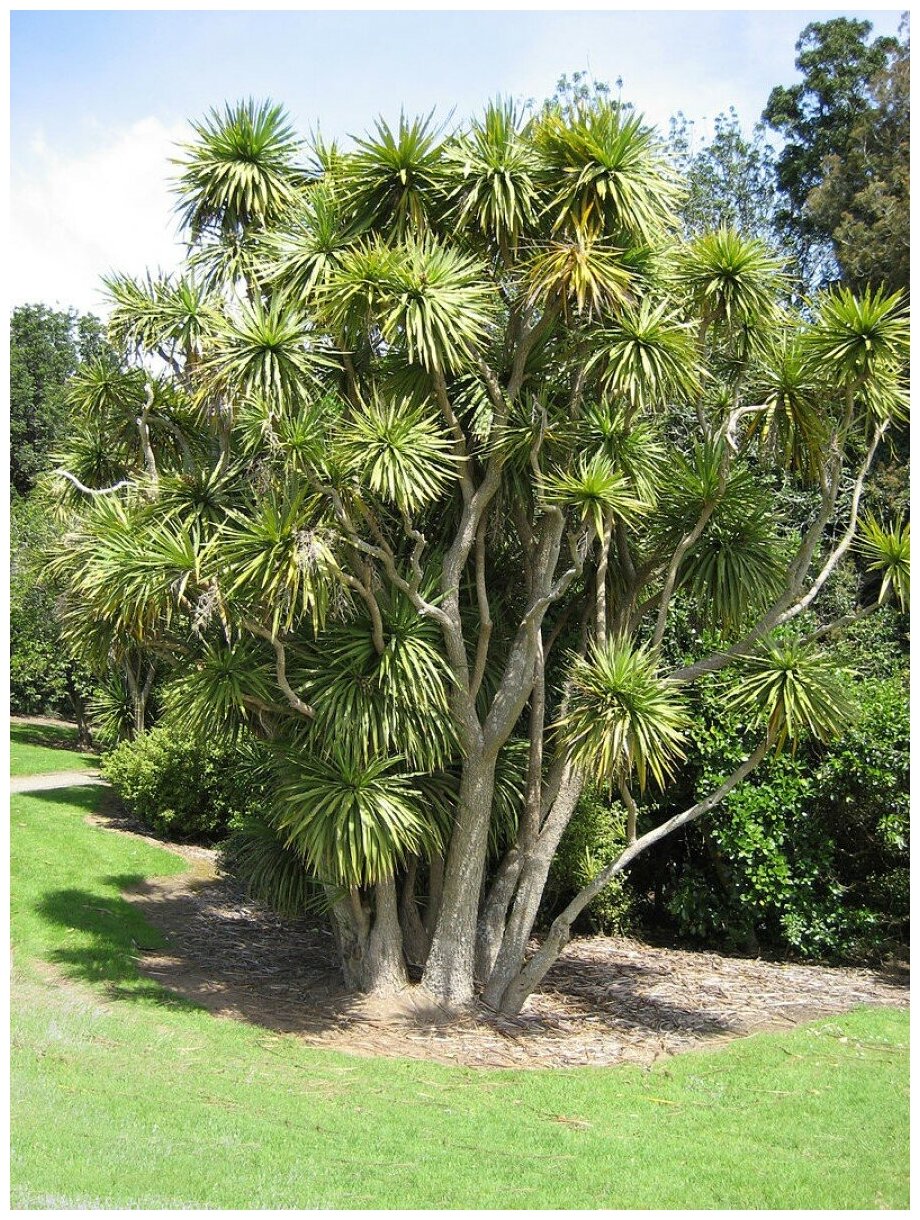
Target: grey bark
x: 416, y: 940
x: 370, y: 946
x: 535, y: 870
x: 449, y: 970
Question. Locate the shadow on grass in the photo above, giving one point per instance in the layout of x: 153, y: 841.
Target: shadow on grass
x: 112, y: 935
x: 49, y: 736
x: 86, y: 797
x: 222, y: 955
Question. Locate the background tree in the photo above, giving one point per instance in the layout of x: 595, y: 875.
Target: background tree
x: 46, y: 678
x: 46, y: 346
x: 730, y: 179
x: 816, y: 118
x: 431, y: 469
x: 862, y: 200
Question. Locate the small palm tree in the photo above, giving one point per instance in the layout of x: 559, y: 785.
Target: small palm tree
x: 456, y: 442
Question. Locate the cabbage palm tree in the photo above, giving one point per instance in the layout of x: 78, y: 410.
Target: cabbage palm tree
x: 444, y: 473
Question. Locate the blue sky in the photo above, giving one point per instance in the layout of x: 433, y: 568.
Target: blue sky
x: 98, y: 98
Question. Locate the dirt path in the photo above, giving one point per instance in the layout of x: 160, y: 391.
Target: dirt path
x: 606, y: 1001
x: 53, y: 779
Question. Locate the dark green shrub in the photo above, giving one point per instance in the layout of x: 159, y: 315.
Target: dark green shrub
x: 810, y: 855
x: 593, y: 838
x: 186, y: 788
x: 45, y: 678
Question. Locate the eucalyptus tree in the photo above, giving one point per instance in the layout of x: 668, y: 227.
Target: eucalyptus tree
x: 438, y: 434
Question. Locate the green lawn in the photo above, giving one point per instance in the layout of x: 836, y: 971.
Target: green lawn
x: 39, y: 748
x: 125, y: 1097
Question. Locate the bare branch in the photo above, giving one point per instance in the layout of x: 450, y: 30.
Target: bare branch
x: 144, y: 429
x: 689, y: 539
x: 485, y: 613
x: 281, y: 669
x: 847, y: 539
x: 188, y: 463
x: 845, y: 620
x: 93, y: 491
x: 535, y: 969
x: 786, y: 607
x: 463, y: 452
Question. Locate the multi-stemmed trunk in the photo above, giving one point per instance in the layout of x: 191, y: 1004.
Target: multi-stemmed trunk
x: 534, y: 871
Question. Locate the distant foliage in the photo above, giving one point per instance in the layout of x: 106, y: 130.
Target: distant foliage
x: 819, y: 116
x: 46, y: 346
x: 186, y: 788
x: 863, y: 198
x: 45, y: 679
x: 730, y: 179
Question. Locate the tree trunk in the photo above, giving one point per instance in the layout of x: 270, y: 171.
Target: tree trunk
x: 370, y: 950
x: 435, y: 891
x: 495, y: 911
x: 416, y: 940
x: 350, y: 926
x: 78, y: 703
x: 534, y: 873
x: 385, y: 967
x: 449, y: 971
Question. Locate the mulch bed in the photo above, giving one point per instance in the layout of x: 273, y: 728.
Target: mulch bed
x: 606, y: 1001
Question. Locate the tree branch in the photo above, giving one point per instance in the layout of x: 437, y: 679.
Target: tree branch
x: 281, y: 669
x: 786, y: 607
x: 485, y: 613
x: 535, y: 969
x: 93, y: 491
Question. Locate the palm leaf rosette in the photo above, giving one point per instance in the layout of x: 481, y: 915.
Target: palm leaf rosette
x: 887, y: 547
x: 353, y: 820
x: 622, y: 717
x: 241, y: 170
x: 796, y: 689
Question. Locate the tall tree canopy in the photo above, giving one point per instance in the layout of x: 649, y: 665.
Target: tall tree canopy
x: 411, y: 472
x: 817, y: 116
x: 862, y: 201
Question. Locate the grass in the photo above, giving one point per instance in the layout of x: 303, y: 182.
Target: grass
x: 124, y: 1096
x: 39, y: 748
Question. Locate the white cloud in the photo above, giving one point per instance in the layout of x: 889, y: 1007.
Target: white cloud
x: 74, y: 218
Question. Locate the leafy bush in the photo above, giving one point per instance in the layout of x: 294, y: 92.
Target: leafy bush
x: 594, y: 837
x: 811, y: 853
x: 44, y: 676
x: 185, y: 788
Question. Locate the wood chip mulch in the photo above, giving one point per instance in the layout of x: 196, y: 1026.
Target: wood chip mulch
x: 606, y: 1001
